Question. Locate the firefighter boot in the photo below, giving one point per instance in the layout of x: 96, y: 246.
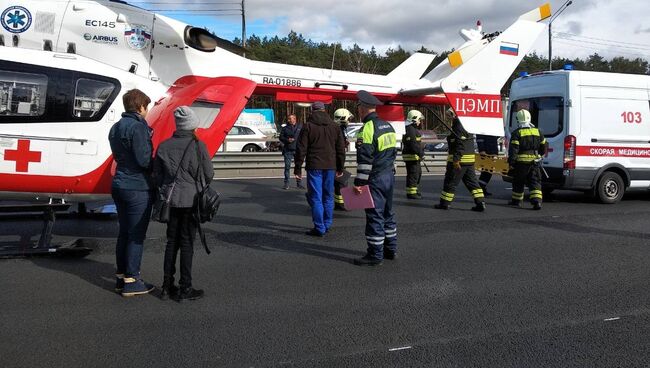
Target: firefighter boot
x: 537, y: 206
x: 442, y: 206
x: 515, y: 203
x: 480, y: 207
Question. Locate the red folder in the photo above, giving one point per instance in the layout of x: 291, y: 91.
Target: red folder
x: 354, y: 201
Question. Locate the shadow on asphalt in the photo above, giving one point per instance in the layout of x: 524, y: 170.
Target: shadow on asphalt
x: 89, y: 270
x: 273, y: 241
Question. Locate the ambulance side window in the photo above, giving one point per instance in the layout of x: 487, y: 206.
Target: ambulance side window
x: 22, y: 94
x: 547, y: 113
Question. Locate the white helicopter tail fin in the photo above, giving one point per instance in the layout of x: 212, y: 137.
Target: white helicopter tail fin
x: 413, y: 67
x: 472, y: 76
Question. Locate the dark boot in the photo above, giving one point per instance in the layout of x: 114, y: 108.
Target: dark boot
x: 168, y: 290
x: 367, y: 261
x: 441, y: 206
x: 514, y: 203
x: 389, y: 254
x: 339, y: 207
x: 189, y: 294
x: 414, y: 196
x: 480, y: 207
x: 537, y: 206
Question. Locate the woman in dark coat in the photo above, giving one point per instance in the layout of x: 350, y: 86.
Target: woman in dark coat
x: 184, y: 154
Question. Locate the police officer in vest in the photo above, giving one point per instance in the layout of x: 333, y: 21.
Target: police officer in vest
x: 376, y: 154
x: 487, y: 145
x: 527, y: 146
x: 342, y: 117
x: 460, y: 165
x: 413, y: 153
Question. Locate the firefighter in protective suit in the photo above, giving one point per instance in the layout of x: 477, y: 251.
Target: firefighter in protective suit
x: 460, y: 165
x: 413, y: 153
x: 343, y: 117
x: 527, y: 147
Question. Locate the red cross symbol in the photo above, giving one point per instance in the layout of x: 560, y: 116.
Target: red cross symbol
x: 22, y: 155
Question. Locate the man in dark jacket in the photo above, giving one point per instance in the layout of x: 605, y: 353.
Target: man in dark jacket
x: 322, y: 147
x: 130, y: 140
x: 289, y: 138
x: 177, y: 167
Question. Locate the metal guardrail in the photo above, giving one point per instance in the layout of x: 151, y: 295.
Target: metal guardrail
x: 271, y: 164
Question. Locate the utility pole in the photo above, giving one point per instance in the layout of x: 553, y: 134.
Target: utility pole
x: 243, y: 25
x: 550, y: 34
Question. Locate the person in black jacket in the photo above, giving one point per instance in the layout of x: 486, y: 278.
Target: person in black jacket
x: 130, y: 140
x: 460, y: 165
x: 179, y: 161
x: 321, y: 146
x: 413, y: 154
x: 527, y: 147
x: 289, y: 138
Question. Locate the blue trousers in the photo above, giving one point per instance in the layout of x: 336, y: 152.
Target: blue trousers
x: 381, y: 228
x: 133, y: 214
x: 288, y: 158
x: 320, y: 194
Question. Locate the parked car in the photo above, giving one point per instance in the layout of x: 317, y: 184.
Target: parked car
x: 436, y: 147
x: 244, y: 139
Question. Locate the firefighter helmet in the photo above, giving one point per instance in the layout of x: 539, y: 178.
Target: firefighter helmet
x: 523, y: 116
x: 415, y: 116
x: 343, y: 116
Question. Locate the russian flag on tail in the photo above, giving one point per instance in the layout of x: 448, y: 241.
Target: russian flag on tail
x: 508, y: 48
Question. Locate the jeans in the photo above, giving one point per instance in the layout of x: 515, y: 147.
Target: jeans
x: 133, y: 214
x: 181, y: 232
x: 320, y: 193
x: 288, y: 158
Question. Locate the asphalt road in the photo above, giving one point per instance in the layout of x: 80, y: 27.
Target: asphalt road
x: 563, y: 287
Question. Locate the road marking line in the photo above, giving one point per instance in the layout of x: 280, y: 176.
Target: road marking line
x: 402, y: 348
x: 612, y: 319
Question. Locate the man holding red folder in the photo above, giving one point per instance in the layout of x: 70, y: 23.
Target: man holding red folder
x: 376, y: 154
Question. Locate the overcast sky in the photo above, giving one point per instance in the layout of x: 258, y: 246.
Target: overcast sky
x: 611, y: 28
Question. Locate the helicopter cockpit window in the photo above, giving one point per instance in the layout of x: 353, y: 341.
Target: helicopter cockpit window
x: 22, y: 94
x: 200, y: 39
x: 91, y: 96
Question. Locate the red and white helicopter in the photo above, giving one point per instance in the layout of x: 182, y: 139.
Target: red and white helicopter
x: 65, y: 64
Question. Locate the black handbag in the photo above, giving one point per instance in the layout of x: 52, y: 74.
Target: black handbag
x: 161, y: 208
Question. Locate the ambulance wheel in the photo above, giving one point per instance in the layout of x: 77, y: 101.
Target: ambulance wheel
x: 610, y: 188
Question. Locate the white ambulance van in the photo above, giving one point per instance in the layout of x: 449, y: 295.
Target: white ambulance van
x: 597, y: 126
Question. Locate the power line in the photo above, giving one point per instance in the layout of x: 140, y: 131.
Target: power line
x: 574, y: 43
x: 605, y: 44
x: 602, y: 39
